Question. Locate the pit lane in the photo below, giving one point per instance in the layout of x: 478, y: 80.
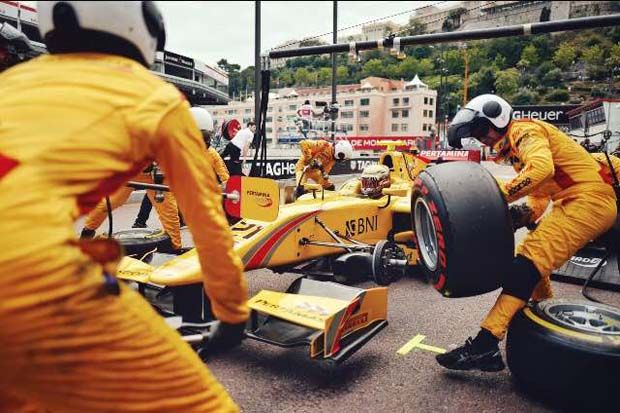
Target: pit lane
x: 263, y: 378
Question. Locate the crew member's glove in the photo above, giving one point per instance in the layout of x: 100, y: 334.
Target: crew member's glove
x: 315, y: 164
x: 224, y: 336
x: 521, y: 216
x: 299, y: 191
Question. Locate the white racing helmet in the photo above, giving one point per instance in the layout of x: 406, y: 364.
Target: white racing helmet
x: 374, y: 178
x: 343, y: 150
x: 203, y: 119
x: 481, y: 114
x: 134, y: 29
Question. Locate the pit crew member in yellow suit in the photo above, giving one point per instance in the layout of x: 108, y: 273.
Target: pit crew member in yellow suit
x: 167, y: 210
x: 549, y: 165
x: 318, y: 157
x: 204, y: 120
x: 76, y: 124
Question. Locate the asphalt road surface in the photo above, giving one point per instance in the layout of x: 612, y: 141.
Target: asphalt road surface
x: 263, y: 378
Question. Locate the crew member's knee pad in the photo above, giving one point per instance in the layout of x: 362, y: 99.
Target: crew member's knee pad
x: 521, y: 278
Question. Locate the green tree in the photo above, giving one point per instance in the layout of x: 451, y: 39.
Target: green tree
x: 455, y: 62
x: 594, y: 57
x: 613, y: 61
x: 303, y: 77
x: 342, y: 73
x: 286, y: 78
x: 373, y: 67
x: 408, y: 68
x: 524, y: 97
x: 530, y: 53
x: 507, y: 82
x: 558, y: 96
x: 483, y: 81
x: 552, y: 78
x: 325, y: 75
x: 564, y: 56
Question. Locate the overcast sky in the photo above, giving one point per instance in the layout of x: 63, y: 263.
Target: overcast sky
x: 211, y: 30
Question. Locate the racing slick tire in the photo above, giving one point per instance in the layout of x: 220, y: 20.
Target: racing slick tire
x: 567, y: 351
x: 463, y: 229
x: 140, y: 241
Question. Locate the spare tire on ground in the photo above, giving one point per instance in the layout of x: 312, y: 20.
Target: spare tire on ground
x: 462, y: 228
x: 140, y: 241
x: 567, y: 351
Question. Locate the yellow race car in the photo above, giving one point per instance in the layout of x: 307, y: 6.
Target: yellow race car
x: 323, y: 233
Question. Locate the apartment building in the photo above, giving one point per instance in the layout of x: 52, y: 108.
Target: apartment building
x: 374, y: 107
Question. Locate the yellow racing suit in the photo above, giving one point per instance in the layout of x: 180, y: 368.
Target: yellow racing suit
x: 167, y: 210
x: 219, y: 167
x: 550, y: 167
x: 73, y: 128
x: 320, y: 151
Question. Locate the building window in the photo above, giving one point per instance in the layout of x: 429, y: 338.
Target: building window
x: 349, y: 128
x: 269, y: 119
x: 425, y: 113
x: 394, y: 127
x: 395, y: 102
x: 394, y: 114
x: 364, y: 102
x: 348, y: 102
x: 431, y: 101
x: 363, y: 128
x: 270, y: 109
x: 280, y: 109
x: 269, y: 130
x: 430, y: 113
x: 364, y: 114
x: 232, y: 112
x: 247, y: 111
x: 426, y: 101
x: 405, y: 101
x: 346, y: 115
x: 403, y: 127
x: 292, y: 107
x: 424, y: 127
x: 404, y: 114
x: 246, y: 120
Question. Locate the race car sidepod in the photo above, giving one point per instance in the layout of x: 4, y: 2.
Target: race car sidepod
x: 463, y: 228
x: 568, y: 352
x: 332, y: 319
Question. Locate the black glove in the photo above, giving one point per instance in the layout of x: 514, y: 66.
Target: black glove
x: 224, y: 336
x: 521, y: 216
x: 314, y: 164
x: 299, y: 191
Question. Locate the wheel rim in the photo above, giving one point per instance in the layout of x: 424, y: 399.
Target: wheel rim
x: 583, y: 317
x: 426, y: 234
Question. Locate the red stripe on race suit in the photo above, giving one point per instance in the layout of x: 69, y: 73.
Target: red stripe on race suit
x: 7, y: 165
x: 88, y: 201
x: 605, y: 173
x: 262, y: 252
x: 562, y: 178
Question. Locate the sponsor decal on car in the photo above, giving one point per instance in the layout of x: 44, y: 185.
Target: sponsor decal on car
x: 587, y: 262
x: 262, y: 199
x: 359, y: 226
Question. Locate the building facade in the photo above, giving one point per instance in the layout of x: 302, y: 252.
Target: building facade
x: 375, y: 107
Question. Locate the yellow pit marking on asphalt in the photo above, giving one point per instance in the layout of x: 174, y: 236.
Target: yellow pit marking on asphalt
x: 416, y: 342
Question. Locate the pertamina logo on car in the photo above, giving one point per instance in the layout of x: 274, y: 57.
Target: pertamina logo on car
x: 262, y: 199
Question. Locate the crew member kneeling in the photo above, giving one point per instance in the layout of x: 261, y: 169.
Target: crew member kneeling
x: 550, y: 166
x: 318, y: 157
